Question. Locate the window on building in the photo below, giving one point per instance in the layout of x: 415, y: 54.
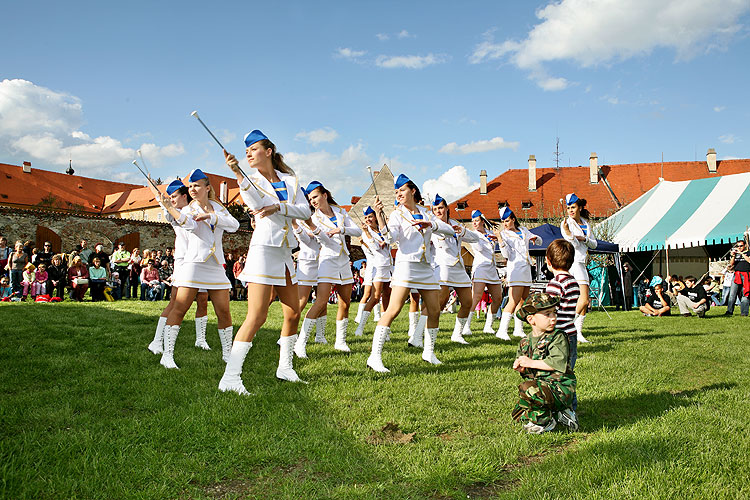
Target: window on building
x: 461, y: 205
x: 526, y: 205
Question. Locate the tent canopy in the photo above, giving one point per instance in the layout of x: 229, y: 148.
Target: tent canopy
x: 548, y: 233
x: 684, y: 214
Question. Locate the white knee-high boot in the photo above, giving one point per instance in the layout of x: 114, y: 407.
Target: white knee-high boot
x: 200, y: 333
x: 458, y: 328
x: 226, y: 335
x: 416, y: 340
x: 578, y: 322
x: 376, y: 312
x: 170, y: 337
x: 502, y: 332
x: 285, y: 371
x: 488, y: 322
x: 518, y: 328
x: 375, y: 361
x: 300, y: 346
x: 231, y: 380
x: 360, y: 308
x: 157, y: 345
x: 320, y: 330
x: 363, y: 321
x: 340, y: 344
x: 428, y: 354
x: 413, y: 320
x: 467, y: 326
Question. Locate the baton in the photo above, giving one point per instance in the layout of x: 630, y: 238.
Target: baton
x: 148, y: 177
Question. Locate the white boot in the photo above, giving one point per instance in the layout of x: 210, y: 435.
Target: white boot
x: 170, y: 337
x: 467, y: 326
x: 340, y: 344
x: 320, y: 330
x: 285, y: 371
x: 416, y: 340
x: 375, y: 361
x: 457, y: 329
x: 518, y: 328
x: 428, y: 354
x: 578, y: 322
x: 360, y: 308
x: 363, y: 321
x: 157, y: 345
x: 376, y: 312
x: 226, y: 335
x: 413, y: 320
x: 488, y: 323
x: 200, y: 333
x: 502, y: 332
x: 300, y: 346
x: 231, y: 380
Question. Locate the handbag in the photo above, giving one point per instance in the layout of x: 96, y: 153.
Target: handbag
x: 81, y: 281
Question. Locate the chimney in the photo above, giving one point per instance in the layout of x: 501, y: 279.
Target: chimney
x: 711, y: 160
x: 594, y: 169
x: 483, y: 182
x: 223, y: 192
x: 532, y: 173
x: 27, y: 167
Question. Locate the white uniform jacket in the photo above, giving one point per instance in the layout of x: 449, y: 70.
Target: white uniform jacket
x: 482, y: 248
x: 309, y: 247
x: 413, y: 244
x: 181, y: 236
x: 515, y: 248
x: 377, y: 255
x: 274, y: 230
x: 581, y: 247
x: 448, y: 247
x: 334, y: 246
x: 204, y: 238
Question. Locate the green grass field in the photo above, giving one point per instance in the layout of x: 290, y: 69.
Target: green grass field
x: 87, y: 412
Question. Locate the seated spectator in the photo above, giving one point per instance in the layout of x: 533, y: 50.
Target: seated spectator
x: 150, y: 285
x: 16, y: 264
x: 39, y: 287
x: 657, y: 302
x: 97, y: 279
x: 115, y: 284
x: 102, y: 256
x: 165, y: 279
x: 45, y: 256
x: 29, y: 275
x: 693, y: 298
x: 5, y: 288
x: 78, y: 278
x: 57, y: 277
x: 5, y: 252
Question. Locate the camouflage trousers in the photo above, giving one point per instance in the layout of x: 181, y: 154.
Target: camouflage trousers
x: 537, y: 400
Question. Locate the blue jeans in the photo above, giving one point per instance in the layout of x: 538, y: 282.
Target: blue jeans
x: 16, y: 280
x: 744, y: 301
x: 573, y: 356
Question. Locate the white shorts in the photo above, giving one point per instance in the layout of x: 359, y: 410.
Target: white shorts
x: 307, y: 272
x: 268, y: 266
x: 414, y: 275
x: 485, y: 273
x: 454, y: 276
x: 209, y: 275
x: 337, y: 271
x: 519, y: 275
x: 580, y: 273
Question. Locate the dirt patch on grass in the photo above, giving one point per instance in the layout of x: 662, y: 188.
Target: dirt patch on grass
x: 389, y: 434
x: 263, y: 482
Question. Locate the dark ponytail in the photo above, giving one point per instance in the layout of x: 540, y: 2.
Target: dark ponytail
x: 277, y: 159
x: 584, y: 211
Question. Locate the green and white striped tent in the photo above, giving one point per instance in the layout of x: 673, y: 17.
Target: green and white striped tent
x: 684, y: 214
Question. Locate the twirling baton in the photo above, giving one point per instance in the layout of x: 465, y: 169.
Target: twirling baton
x: 144, y: 162
x: 148, y: 177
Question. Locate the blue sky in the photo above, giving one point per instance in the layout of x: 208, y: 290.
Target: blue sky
x: 437, y: 90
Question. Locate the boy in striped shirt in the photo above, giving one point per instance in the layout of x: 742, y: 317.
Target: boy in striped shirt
x: 559, y: 257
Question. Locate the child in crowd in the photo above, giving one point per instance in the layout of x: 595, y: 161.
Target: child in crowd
x: 657, y: 302
x: 559, y: 257
x: 549, y: 383
x: 39, y: 287
x: 693, y: 298
x: 5, y: 289
x: 29, y: 275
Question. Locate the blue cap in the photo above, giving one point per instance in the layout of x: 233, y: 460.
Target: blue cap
x: 174, y: 186
x: 395, y: 203
x: 476, y: 213
x: 570, y: 199
x: 505, y: 212
x: 368, y: 210
x: 253, y: 137
x: 401, y: 180
x: 656, y: 280
x: 196, y: 175
x: 438, y: 200
x: 313, y: 185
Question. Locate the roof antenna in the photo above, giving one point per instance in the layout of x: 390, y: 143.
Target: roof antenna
x: 70, y: 170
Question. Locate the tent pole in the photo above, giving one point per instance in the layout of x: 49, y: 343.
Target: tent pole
x: 667, y: 251
x: 618, y: 263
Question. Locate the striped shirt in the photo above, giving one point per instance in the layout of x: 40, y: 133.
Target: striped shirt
x: 565, y: 286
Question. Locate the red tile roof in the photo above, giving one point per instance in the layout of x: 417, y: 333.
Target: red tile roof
x: 628, y: 182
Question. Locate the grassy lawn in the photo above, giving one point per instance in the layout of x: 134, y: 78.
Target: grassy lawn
x: 87, y: 412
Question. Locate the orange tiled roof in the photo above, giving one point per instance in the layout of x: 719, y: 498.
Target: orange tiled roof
x: 628, y: 182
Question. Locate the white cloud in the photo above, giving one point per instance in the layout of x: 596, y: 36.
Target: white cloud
x: 410, y: 62
x: 728, y: 138
x: 343, y: 174
x: 593, y: 32
x: 479, y: 146
x: 405, y: 34
x: 451, y: 185
x: 347, y: 53
x: 719, y: 109
x: 382, y: 36
x: 318, y: 136
x: 43, y: 124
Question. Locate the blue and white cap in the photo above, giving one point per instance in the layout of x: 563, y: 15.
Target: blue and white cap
x: 253, y: 137
x: 476, y: 213
x: 368, y: 210
x: 570, y: 199
x: 395, y: 203
x: 174, y: 186
x: 438, y: 200
x: 312, y: 186
x: 505, y: 212
x: 196, y: 175
x: 401, y: 180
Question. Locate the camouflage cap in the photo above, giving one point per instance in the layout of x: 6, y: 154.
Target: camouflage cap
x: 536, y: 302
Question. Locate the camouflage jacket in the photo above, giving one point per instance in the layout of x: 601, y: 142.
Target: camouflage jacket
x: 555, y: 339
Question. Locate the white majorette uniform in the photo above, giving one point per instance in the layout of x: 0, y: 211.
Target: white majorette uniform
x: 203, y: 266
x: 515, y: 247
x: 413, y: 268
x: 333, y: 264
x: 307, y: 258
x: 484, y: 268
x: 379, y: 262
x: 270, y: 252
x: 452, y: 271
x: 578, y: 269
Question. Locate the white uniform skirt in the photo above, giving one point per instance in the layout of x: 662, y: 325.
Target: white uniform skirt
x: 380, y: 274
x: 580, y: 273
x: 268, y: 266
x: 367, y: 276
x: 454, y: 276
x: 336, y: 270
x: 307, y: 272
x: 209, y: 275
x: 178, y: 262
x: 485, y: 273
x: 414, y: 275
x: 519, y: 275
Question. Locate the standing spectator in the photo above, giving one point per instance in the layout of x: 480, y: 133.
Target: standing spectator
x: 121, y: 260
x: 150, y: 286
x: 169, y: 256
x: 78, y: 277
x: 45, y: 256
x: 239, y: 284
x: 5, y: 252
x: 134, y: 274
x: 16, y: 263
x: 29, y: 275
x: 740, y: 262
x: 73, y: 254
x: 157, y: 258
x: 627, y: 285
x: 146, y: 257
x: 229, y: 271
x: 57, y: 274
x: 726, y: 285
x: 97, y: 279
x: 711, y: 285
x: 85, y: 252
x: 28, y: 248
x: 102, y: 256
x: 165, y: 279
x: 34, y: 256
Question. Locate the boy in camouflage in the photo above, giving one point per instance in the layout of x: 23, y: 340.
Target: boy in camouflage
x: 543, y: 361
